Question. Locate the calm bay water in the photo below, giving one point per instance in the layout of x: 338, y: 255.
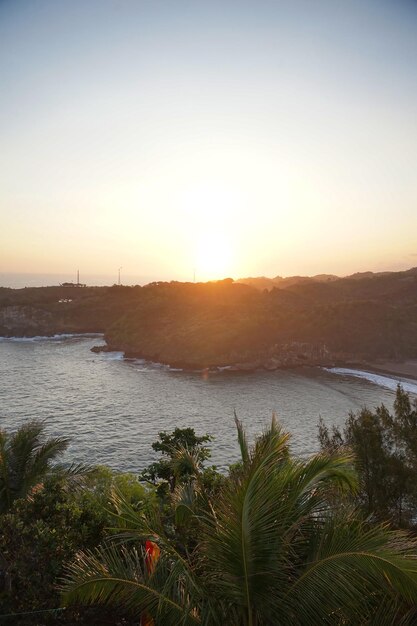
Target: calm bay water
x: 113, y: 408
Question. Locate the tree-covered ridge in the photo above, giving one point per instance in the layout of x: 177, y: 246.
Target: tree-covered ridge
x: 226, y: 323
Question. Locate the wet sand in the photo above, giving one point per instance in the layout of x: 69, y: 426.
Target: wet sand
x: 406, y: 369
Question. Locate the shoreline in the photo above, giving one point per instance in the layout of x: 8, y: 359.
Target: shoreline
x: 400, y: 369
x: 397, y: 369
x: 406, y: 369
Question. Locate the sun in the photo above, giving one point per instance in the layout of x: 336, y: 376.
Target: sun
x: 211, y: 209
x: 213, y: 256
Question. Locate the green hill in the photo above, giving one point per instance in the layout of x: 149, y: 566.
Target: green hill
x: 227, y: 323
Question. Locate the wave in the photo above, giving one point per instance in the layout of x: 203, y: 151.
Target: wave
x: 59, y: 337
x: 154, y: 365
x: 112, y: 356
x: 141, y: 365
x: 388, y: 382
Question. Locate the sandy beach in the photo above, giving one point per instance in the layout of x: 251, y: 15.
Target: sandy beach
x: 406, y: 369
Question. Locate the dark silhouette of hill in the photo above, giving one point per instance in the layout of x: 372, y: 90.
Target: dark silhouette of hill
x: 315, y: 321
x: 262, y: 282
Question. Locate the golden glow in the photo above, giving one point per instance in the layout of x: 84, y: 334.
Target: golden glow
x: 211, y: 208
x: 162, y: 153
x: 225, y: 214
x: 213, y: 256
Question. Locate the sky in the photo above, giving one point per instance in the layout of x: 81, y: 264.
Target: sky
x: 180, y: 139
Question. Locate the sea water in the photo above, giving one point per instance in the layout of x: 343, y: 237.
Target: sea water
x: 112, y: 408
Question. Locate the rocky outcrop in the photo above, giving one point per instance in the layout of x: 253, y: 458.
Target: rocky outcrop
x: 296, y: 354
x: 280, y: 356
x: 277, y: 356
x: 25, y: 321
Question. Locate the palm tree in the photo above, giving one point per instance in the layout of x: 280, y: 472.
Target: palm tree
x: 271, y: 549
x: 26, y: 458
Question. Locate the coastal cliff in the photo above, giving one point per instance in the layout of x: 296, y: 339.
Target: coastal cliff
x: 230, y: 324
x: 22, y: 320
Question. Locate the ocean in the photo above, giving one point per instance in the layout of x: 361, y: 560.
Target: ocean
x: 19, y: 281
x: 113, y: 408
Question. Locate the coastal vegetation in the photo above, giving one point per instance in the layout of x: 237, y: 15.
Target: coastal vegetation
x: 297, y: 322
x: 27, y: 458
x: 385, y: 453
x: 274, y: 540
x: 268, y: 547
x: 52, y: 511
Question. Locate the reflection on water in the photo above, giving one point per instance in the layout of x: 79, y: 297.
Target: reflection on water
x: 113, y: 408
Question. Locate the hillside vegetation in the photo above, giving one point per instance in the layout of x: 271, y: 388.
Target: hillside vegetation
x: 321, y: 321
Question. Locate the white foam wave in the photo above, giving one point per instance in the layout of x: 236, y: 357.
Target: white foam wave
x: 59, y: 337
x: 388, y: 382
x: 158, y: 366
x: 153, y: 366
x: 112, y: 356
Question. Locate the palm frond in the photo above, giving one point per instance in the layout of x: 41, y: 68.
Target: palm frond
x: 359, y: 564
x: 73, y: 475
x: 133, y: 526
x: 119, y: 577
x: 186, y: 462
x: 184, y: 501
x: 243, y: 541
x: 26, y: 459
x: 5, y: 488
x: 243, y: 444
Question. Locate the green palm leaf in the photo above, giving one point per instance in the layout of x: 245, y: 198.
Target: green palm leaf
x: 119, y: 577
x: 27, y: 457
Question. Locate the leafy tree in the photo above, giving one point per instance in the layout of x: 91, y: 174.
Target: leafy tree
x: 271, y: 550
x: 385, y: 449
x: 37, y: 536
x: 44, y: 523
x: 102, y: 481
x: 183, y: 454
x: 45, y: 530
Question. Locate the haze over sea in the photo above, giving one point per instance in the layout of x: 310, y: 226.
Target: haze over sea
x: 113, y: 408
x: 20, y: 280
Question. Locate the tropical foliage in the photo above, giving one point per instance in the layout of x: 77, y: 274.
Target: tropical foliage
x: 42, y: 533
x: 269, y: 547
x: 27, y: 457
x: 385, y: 450
x: 37, y: 537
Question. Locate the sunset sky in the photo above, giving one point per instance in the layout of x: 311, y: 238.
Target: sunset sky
x: 229, y: 138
